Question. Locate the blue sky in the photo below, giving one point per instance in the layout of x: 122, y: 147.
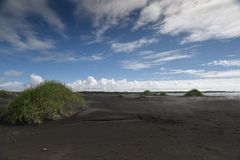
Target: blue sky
x: 89, y: 41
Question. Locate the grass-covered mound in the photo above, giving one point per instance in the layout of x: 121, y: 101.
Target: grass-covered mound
x: 50, y: 100
x: 194, y: 93
x: 147, y: 93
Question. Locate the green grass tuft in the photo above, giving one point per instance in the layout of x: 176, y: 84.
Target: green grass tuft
x: 194, y: 93
x: 3, y: 92
x: 50, y: 100
x: 6, y: 94
x: 147, y: 93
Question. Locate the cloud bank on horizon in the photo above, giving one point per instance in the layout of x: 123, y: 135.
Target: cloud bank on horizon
x: 136, y: 44
x: 112, y: 85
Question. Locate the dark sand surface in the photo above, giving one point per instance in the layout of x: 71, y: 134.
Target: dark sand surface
x: 132, y: 128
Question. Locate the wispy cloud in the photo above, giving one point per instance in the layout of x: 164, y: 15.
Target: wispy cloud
x: 66, y: 57
x: 15, y: 28
x: 9, y: 73
x: 205, y: 74
x: 131, y: 46
x: 12, y: 73
x: 106, y: 14
x: 230, y: 55
x: 12, y: 86
x: 199, y: 20
x: 134, y: 65
x: 94, y: 57
x: 150, y: 59
x: 227, y: 63
x: 166, y: 56
x: 55, y: 56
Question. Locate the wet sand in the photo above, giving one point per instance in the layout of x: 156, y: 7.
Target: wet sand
x: 129, y: 128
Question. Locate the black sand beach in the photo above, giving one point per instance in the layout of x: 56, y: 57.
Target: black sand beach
x: 132, y: 128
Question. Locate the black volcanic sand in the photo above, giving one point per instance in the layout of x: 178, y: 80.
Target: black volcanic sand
x: 132, y: 128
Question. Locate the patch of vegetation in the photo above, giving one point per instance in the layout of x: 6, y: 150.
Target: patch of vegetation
x: 163, y: 94
x: 147, y: 93
x: 5, y: 94
x: 194, y: 93
x: 118, y: 94
x: 51, y: 100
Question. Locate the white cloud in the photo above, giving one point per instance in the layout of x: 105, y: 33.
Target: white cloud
x: 18, y: 31
x: 55, y: 56
x: 206, y: 74
x: 150, y: 59
x: 19, y: 86
x: 91, y: 84
x: 200, y: 19
x: 131, y: 46
x: 166, y: 56
x: 12, y: 86
x: 36, y: 79
x: 228, y: 63
x: 12, y: 73
x: 151, y: 13
x: 134, y: 65
x: 94, y: 57
x: 107, y: 13
x: 66, y: 57
x: 21, y: 9
x: 230, y: 55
